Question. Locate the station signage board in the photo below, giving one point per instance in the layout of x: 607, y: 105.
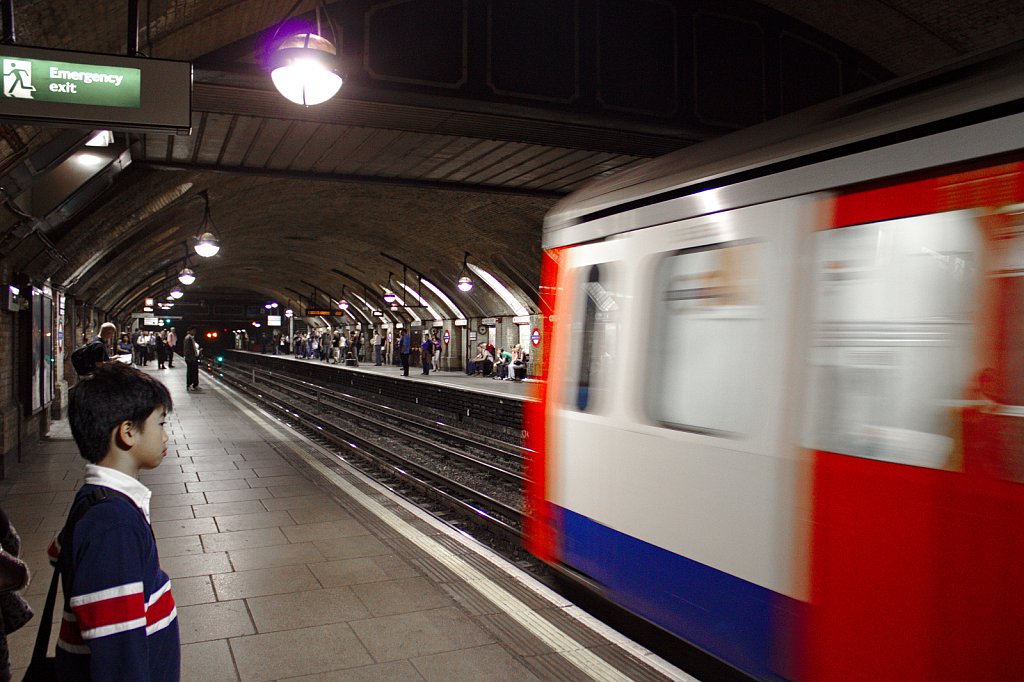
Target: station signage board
x: 273, y: 320
x: 316, y: 312
x: 83, y: 89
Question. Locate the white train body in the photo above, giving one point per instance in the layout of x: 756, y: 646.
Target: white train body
x: 763, y: 426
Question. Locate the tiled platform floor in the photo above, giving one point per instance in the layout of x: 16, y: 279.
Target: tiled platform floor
x: 286, y: 565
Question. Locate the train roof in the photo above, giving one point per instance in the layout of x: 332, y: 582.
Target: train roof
x: 981, y: 88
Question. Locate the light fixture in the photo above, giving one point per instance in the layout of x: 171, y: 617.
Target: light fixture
x: 465, y: 282
x: 187, y: 275
x: 101, y: 138
x: 289, y: 312
x: 304, y: 67
x: 343, y: 304
x: 176, y: 293
x: 206, y: 241
x: 389, y: 294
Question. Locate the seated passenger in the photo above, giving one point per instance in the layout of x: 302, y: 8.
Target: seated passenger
x: 473, y: 366
x: 502, y: 365
x: 517, y: 367
x: 487, y: 364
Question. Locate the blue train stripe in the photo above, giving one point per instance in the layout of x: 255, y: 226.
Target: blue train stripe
x: 737, y: 621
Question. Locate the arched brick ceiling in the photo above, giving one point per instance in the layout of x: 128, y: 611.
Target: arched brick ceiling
x: 422, y: 170
x: 908, y: 36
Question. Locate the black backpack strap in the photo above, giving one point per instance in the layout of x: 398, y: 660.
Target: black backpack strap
x: 78, y: 510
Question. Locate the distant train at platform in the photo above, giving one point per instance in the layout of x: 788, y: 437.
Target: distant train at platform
x: 783, y: 409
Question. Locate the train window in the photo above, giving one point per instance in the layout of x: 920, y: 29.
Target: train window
x: 894, y: 327
x: 703, y: 364
x: 594, y: 339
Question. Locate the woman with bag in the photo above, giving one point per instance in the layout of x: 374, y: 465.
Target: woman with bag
x: 14, y: 575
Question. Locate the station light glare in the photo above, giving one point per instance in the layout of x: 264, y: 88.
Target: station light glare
x: 207, y: 245
x: 89, y: 160
x: 102, y: 138
x: 465, y: 281
x: 304, y: 69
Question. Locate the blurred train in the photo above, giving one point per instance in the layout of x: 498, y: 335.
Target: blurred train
x: 783, y: 415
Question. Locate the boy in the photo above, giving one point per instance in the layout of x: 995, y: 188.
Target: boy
x: 120, y: 621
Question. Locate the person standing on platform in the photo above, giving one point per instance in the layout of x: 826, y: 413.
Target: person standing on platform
x: 172, y: 343
x: 436, y: 361
x: 120, y: 620
x: 375, y: 341
x: 405, y: 350
x: 161, y: 350
x: 427, y: 352
x: 136, y: 348
x: 191, y: 355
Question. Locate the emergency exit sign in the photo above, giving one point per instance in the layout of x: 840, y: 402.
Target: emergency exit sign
x: 52, y: 81
x: 88, y: 90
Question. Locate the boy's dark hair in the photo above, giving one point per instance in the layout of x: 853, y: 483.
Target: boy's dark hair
x: 114, y: 393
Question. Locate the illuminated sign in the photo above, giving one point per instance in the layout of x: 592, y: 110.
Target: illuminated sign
x: 51, y: 81
x: 273, y: 320
x: 324, y: 313
x: 95, y: 90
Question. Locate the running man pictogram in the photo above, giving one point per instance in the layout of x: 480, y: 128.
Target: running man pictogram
x: 18, y: 79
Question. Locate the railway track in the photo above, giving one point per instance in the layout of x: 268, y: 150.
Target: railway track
x: 472, y: 482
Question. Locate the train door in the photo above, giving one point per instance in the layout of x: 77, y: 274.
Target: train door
x: 914, y: 393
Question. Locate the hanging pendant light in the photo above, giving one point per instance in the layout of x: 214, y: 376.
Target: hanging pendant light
x: 389, y: 292
x: 465, y: 282
x: 207, y: 244
x: 304, y: 67
x: 187, y: 275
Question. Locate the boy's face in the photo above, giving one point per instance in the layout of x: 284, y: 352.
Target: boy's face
x: 151, y: 447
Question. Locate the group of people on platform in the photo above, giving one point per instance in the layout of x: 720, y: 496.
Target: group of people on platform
x: 144, y: 346
x: 502, y: 365
x: 334, y: 347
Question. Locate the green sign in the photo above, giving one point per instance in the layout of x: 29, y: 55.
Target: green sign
x: 69, y: 83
